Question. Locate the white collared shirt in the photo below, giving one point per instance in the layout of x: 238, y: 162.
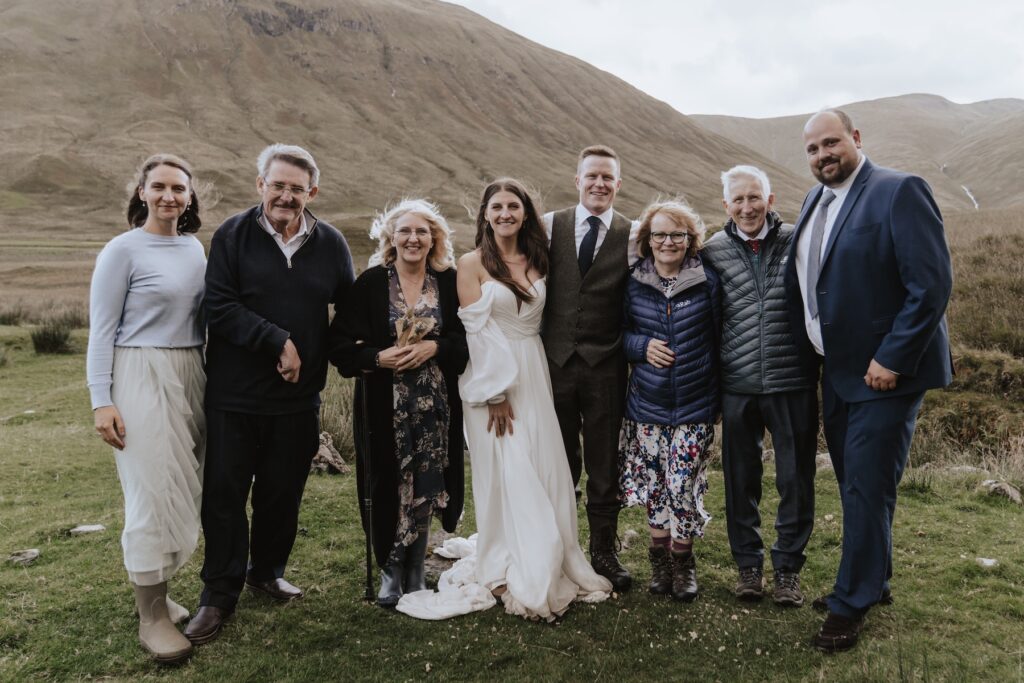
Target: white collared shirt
x: 803, y: 246
x: 287, y: 247
x: 583, y: 227
x: 759, y: 236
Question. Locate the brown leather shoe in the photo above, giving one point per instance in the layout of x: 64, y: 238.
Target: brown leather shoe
x: 279, y: 589
x: 684, y: 577
x: 837, y: 633
x: 206, y: 624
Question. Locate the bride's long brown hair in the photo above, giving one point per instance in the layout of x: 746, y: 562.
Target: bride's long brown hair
x: 531, y: 240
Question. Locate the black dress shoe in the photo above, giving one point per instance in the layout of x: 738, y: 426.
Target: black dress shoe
x: 820, y: 604
x: 278, y: 589
x: 684, y: 577
x: 206, y: 624
x: 837, y: 633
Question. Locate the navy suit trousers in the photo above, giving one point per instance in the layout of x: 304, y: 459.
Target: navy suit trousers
x: 869, y: 442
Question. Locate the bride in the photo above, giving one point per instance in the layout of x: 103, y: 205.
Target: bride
x: 528, y: 551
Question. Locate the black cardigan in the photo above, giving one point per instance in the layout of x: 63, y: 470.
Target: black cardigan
x: 256, y: 299
x: 358, y: 334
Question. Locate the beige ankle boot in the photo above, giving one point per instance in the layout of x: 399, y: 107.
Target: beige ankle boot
x: 176, y: 612
x: 157, y: 634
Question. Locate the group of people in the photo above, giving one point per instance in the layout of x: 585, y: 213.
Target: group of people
x: 568, y: 341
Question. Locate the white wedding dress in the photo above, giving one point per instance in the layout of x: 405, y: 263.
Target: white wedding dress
x: 527, y: 535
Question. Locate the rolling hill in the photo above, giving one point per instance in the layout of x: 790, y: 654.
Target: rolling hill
x: 953, y: 146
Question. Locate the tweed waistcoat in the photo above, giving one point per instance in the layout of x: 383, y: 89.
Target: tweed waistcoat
x: 583, y: 315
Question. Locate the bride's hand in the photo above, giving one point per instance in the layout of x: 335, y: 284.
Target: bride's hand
x: 500, y: 416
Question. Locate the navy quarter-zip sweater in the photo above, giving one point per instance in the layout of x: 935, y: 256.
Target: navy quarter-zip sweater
x: 256, y: 299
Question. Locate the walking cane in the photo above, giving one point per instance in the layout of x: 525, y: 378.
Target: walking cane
x: 367, y: 494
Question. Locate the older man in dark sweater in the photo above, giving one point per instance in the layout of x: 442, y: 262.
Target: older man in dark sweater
x: 766, y: 382
x: 273, y: 271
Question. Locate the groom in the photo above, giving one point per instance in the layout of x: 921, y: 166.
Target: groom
x: 589, y: 264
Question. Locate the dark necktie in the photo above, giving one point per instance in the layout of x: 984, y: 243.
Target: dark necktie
x: 814, y: 253
x: 588, y: 245
x: 755, y: 246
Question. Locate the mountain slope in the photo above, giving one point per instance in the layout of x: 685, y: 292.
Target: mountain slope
x: 393, y: 97
x: 951, y: 145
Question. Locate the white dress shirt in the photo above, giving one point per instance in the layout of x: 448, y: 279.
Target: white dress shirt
x: 803, y: 246
x: 287, y: 247
x: 759, y: 236
x: 583, y: 227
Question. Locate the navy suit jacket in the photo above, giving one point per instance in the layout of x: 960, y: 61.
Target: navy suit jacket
x: 884, y: 284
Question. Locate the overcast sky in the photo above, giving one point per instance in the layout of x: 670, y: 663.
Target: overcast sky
x: 761, y: 58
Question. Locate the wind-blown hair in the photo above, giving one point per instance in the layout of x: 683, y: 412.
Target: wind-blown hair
x: 441, y: 255
x: 744, y: 172
x: 292, y: 154
x: 680, y: 213
x: 532, y: 239
x: 138, y: 212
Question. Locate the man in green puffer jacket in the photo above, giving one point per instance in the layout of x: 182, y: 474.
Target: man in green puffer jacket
x: 765, y: 384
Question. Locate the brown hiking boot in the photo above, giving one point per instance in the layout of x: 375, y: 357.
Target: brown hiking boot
x: 786, y: 591
x: 661, y: 570
x: 750, y: 585
x: 684, y: 577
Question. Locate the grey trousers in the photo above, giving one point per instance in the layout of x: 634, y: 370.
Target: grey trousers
x: 792, y: 419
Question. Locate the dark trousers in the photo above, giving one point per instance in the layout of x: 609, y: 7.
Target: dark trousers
x: 869, y: 443
x: 271, y: 454
x: 792, y: 419
x: 593, y: 399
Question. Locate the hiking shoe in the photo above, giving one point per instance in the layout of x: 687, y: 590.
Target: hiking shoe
x: 750, y: 585
x: 684, y: 577
x: 661, y: 570
x: 786, y: 591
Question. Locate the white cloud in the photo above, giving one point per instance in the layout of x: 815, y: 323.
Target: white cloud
x: 760, y: 58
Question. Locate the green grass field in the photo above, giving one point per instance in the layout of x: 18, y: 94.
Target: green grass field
x: 69, y: 616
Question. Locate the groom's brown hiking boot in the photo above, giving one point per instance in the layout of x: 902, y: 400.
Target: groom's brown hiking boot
x: 605, y: 561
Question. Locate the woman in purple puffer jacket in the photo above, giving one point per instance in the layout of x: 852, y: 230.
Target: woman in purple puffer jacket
x: 672, y: 315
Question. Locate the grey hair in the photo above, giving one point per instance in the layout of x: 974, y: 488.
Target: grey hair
x: 442, y: 254
x: 292, y: 154
x: 745, y: 171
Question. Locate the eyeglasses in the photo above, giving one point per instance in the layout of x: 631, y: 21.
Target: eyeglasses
x: 676, y: 237
x: 295, y: 190
x: 405, y: 233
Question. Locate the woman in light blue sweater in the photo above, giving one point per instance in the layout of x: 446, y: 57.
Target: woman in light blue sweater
x: 146, y: 380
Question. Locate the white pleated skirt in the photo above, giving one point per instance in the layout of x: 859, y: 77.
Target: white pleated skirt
x: 159, y: 393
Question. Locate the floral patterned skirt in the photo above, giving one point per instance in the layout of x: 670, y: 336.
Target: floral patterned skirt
x: 665, y: 469
x: 421, y: 444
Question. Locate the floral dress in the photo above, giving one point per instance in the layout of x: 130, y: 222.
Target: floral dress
x: 664, y: 468
x: 420, y: 422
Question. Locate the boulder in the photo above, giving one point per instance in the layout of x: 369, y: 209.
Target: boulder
x: 994, y: 487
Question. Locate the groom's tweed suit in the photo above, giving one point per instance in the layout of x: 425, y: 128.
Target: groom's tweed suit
x: 583, y: 341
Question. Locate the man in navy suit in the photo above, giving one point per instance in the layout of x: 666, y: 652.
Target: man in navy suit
x: 868, y: 280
